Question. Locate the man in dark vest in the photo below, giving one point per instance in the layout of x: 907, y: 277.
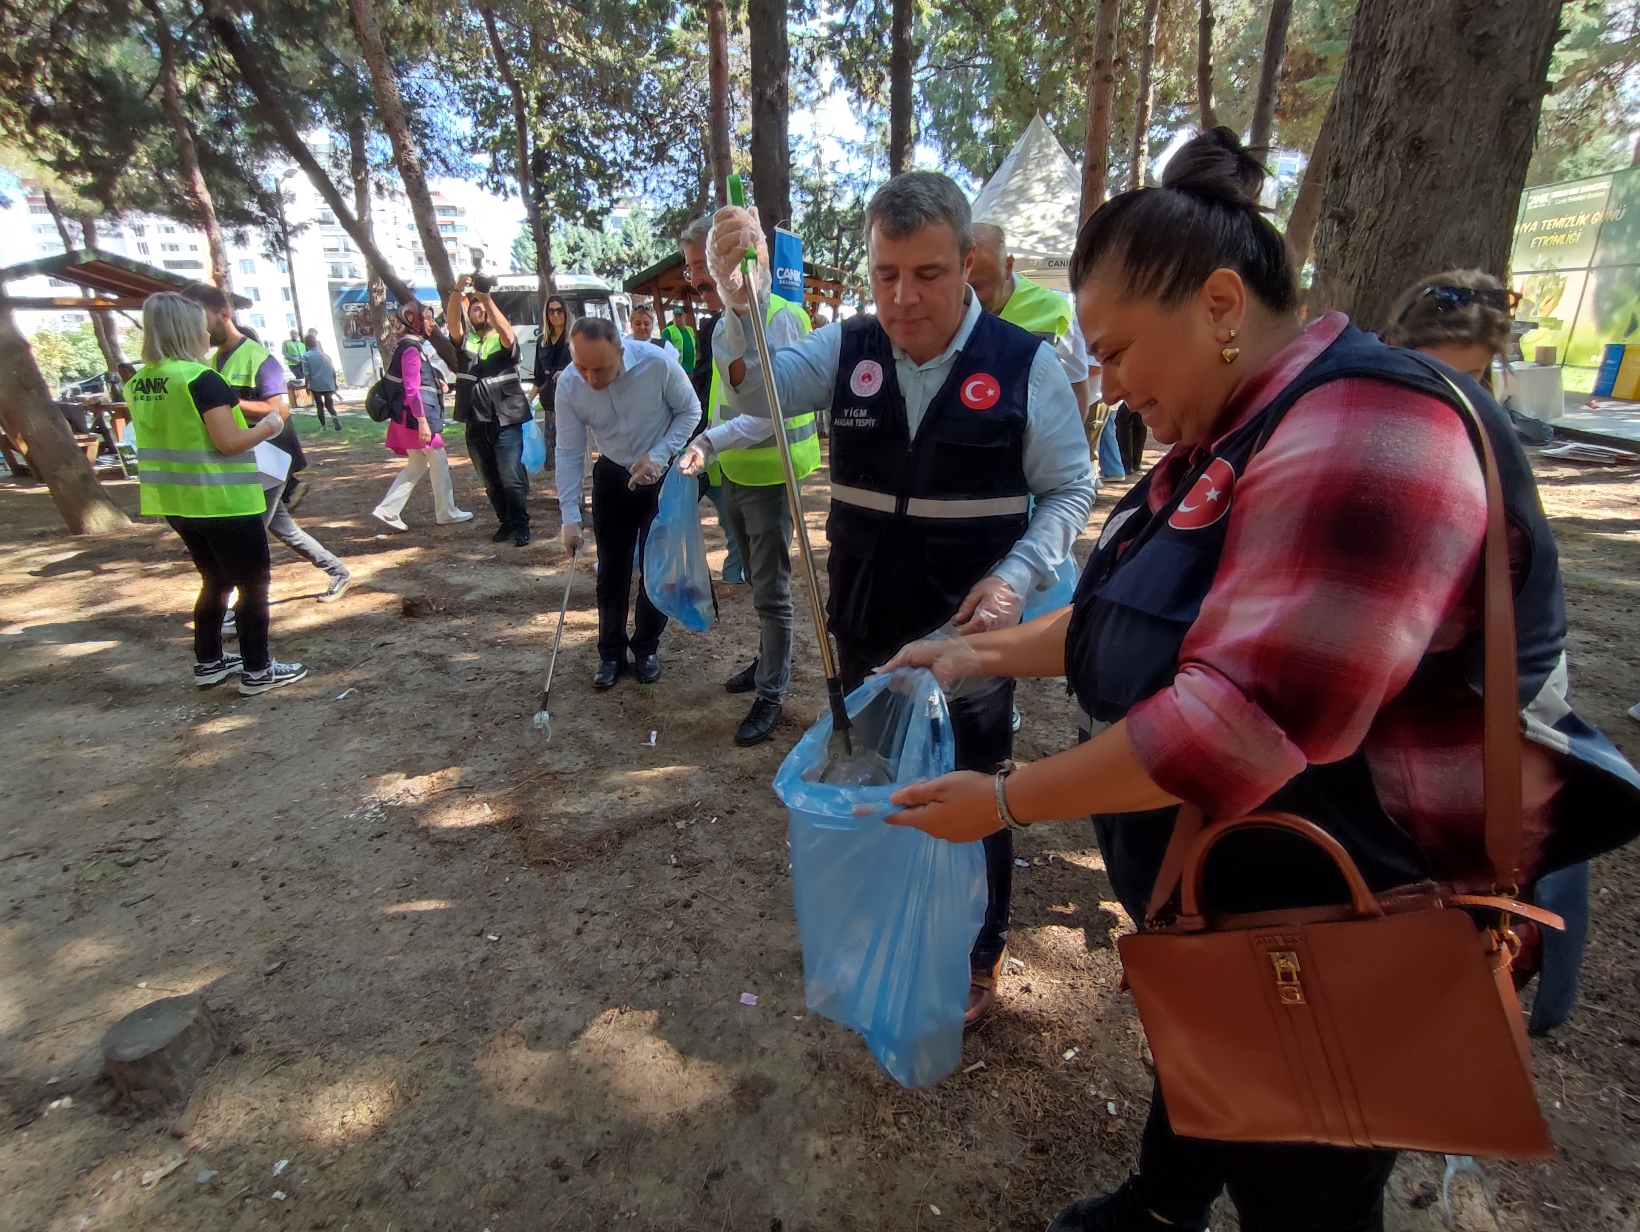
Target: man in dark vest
x: 946, y: 422
x: 491, y: 403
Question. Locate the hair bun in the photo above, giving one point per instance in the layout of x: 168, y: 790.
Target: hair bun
x: 1215, y: 167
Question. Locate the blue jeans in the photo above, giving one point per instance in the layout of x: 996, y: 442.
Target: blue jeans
x: 498, y: 456
x: 1110, y: 451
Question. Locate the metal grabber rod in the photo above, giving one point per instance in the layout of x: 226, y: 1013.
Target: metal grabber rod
x: 842, y: 742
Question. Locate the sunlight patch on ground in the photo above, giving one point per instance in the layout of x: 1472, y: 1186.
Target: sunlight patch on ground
x: 353, y: 1108
x: 421, y: 904
x: 224, y: 724
x: 74, y: 650
x: 1087, y: 857
x: 459, y: 812
x: 619, y: 1057
x: 401, y: 792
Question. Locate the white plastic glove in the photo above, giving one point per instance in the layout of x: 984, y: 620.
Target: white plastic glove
x: 991, y: 604
x: 734, y: 230
x: 694, y: 459
x: 644, y: 472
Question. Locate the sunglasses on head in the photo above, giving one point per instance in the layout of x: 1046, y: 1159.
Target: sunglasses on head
x: 1452, y: 299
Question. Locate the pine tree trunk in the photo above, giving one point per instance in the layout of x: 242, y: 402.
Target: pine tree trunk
x: 277, y: 118
x: 102, y: 320
x: 1147, y: 97
x: 35, y: 425
x: 1204, y: 69
x: 1101, y: 88
x: 375, y: 293
x: 406, y: 157
x: 1435, y: 116
x: 1264, y: 105
x: 717, y: 69
x: 900, y: 57
x: 521, y: 154
x: 1307, y: 209
x: 199, y: 193
x: 771, y: 150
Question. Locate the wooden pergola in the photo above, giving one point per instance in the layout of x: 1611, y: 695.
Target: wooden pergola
x: 666, y: 284
x: 114, y: 282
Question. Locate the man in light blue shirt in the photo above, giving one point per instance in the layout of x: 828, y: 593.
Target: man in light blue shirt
x: 947, y: 423
x: 638, y: 406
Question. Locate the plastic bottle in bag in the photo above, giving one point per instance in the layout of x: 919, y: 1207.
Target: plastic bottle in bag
x: 675, y: 570
x: 887, y: 914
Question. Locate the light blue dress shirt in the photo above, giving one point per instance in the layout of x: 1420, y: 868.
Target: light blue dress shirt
x: 1058, y: 467
x: 648, y: 411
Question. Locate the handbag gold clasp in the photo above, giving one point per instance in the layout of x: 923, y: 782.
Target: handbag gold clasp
x: 1288, y: 987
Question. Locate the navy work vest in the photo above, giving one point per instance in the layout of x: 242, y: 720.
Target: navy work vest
x: 489, y: 387
x: 916, y: 522
x: 432, y: 403
x: 1143, y: 588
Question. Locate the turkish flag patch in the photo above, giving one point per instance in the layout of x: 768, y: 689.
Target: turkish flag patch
x: 1208, y: 499
x: 980, y: 392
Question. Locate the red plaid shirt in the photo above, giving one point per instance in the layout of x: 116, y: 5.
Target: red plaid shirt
x: 1351, y: 550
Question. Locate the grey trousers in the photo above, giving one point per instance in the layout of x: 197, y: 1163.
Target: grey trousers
x: 761, y: 523
x: 283, y: 528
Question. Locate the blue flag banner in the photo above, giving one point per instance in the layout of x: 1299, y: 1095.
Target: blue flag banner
x: 788, y: 265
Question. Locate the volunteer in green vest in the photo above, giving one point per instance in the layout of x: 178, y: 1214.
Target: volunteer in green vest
x: 681, y: 335
x: 1029, y: 305
x: 743, y: 449
x: 199, y: 472
x: 492, y: 405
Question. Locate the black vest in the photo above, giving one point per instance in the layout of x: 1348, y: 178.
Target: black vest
x: 491, y: 389
x: 916, y: 522
x: 1143, y: 588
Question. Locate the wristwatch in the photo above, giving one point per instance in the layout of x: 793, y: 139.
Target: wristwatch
x: 1004, y: 813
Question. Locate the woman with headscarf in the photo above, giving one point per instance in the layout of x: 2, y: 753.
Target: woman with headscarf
x: 414, y: 431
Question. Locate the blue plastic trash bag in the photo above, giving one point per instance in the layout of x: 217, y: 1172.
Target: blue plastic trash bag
x: 535, y: 447
x: 1057, y: 595
x: 887, y: 914
x: 675, y: 571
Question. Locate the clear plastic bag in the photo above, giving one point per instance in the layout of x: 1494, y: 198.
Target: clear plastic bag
x: 675, y: 570
x: 887, y: 914
x: 1055, y: 595
x: 534, y: 451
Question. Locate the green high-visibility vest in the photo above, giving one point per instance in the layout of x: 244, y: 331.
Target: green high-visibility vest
x: 760, y: 467
x: 484, y: 345
x: 181, y: 474
x: 682, y: 337
x: 1037, y: 310
x: 241, y: 367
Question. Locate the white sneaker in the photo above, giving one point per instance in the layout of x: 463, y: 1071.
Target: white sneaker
x: 456, y: 515
x: 207, y: 674
x: 274, y: 676
x: 397, y: 523
x: 230, y: 624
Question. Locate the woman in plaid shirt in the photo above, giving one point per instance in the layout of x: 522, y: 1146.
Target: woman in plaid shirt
x: 1283, y: 613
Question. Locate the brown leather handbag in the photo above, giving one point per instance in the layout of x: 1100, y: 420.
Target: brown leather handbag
x: 1391, y: 1021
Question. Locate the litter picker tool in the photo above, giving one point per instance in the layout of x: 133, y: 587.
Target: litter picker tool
x: 543, y: 720
x: 846, y: 756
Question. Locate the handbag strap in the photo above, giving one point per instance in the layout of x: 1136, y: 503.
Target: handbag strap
x: 1500, y: 702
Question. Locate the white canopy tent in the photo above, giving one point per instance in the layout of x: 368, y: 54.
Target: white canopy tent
x: 1034, y: 197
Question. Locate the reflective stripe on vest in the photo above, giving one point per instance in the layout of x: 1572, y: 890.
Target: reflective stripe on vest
x: 759, y: 467
x: 925, y: 507
x: 180, y: 473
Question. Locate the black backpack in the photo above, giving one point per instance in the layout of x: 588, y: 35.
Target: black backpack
x: 386, y: 393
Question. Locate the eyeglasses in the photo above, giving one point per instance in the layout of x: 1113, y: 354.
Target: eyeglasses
x: 1452, y: 299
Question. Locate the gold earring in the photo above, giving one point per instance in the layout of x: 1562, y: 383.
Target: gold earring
x: 1230, y: 354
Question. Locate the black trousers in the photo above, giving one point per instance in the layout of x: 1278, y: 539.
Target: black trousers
x: 621, y: 518
x: 1130, y: 436
x: 498, y: 455
x: 324, y: 400
x: 1276, y: 1186
x: 982, y: 724
x: 229, y: 552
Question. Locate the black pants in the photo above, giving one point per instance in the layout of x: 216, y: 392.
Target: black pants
x: 621, y: 518
x: 498, y: 456
x: 1276, y: 1186
x: 324, y: 400
x: 229, y: 552
x: 1130, y: 435
x: 982, y: 725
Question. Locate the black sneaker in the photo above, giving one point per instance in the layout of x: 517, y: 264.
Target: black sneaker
x: 649, y: 669
x: 760, y: 723
x: 207, y: 674
x: 337, y: 588
x: 298, y: 492
x: 1122, y: 1210
x: 743, y: 681
x: 274, y: 676
x: 502, y: 534
x: 521, y: 536
x: 609, y: 671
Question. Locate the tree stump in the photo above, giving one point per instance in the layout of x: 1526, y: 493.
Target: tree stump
x: 155, y: 1054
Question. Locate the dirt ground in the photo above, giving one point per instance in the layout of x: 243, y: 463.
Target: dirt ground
x: 475, y: 980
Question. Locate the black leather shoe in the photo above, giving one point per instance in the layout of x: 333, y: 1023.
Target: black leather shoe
x: 502, y: 535
x: 743, y: 681
x: 649, y: 669
x: 761, y: 720
x: 608, y: 672
x: 1121, y: 1210
x: 521, y: 536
